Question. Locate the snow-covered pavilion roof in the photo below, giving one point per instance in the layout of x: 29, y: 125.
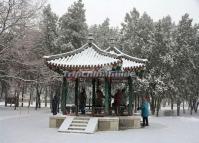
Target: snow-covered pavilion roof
x: 128, y: 62
x: 89, y: 56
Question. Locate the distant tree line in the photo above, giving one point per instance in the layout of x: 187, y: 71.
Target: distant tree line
x: 29, y: 29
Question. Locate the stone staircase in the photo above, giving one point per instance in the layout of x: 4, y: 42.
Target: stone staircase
x: 79, y: 125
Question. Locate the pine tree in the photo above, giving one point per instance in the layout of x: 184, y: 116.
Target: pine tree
x: 129, y: 31
x: 73, y: 27
x: 137, y: 34
x: 103, y: 33
x: 183, y: 72
x: 49, y: 30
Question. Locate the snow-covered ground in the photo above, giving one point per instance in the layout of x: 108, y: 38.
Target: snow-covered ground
x: 30, y: 126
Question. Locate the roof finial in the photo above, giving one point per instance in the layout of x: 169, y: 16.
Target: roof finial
x: 90, y: 38
x: 112, y: 42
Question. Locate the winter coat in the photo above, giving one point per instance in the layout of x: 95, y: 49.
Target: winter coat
x: 99, y: 99
x: 118, y: 98
x: 145, y: 109
x: 82, y: 98
x: 124, y: 98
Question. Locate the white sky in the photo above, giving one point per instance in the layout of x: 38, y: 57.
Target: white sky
x: 98, y: 10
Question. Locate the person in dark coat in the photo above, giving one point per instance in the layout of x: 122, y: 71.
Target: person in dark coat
x: 123, y: 101
x: 99, y: 101
x: 145, y: 111
x: 55, y: 101
x: 82, y: 101
x: 117, y: 101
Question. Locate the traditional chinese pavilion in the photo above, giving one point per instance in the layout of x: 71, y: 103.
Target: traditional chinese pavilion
x: 91, y: 62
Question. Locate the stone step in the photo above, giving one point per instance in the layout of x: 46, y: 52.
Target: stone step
x: 76, y: 128
x: 80, y: 121
x: 79, y: 124
x: 77, y: 131
x: 81, y: 118
x: 67, y: 122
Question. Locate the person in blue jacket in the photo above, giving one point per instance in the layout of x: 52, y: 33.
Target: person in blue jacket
x: 145, y: 111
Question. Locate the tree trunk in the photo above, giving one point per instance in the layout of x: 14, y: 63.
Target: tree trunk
x: 22, y: 96
x: 171, y: 103
x: 178, y: 108
x: 191, y: 108
x: 30, y: 98
x: 195, y: 106
x: 196, y: 109
x: 2, y: 90
x: 40, y: 97
x: 6, y: 95
x: 183, y: 107
x: 46, y: 95
x: 38, y: 102
x: 158, y: 106
x: 152, y: 105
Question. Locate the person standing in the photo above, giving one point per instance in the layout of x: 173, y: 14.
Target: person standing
x: 82, y: 101
x: 117, y: 101
x: 99, y: 101
x: 145, y: 112
x: 55, y: 103
x: 123, y: 101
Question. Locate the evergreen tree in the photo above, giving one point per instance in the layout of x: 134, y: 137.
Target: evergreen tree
x: 145, y: 33
x: 49, y: 30
x: 129, y: 31
x: 73, y: 27
x: 103, y: 33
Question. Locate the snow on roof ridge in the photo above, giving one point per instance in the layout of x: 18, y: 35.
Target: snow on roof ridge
x: 114, y: 48
x: 103, y: 51
x: 51, y: 57
x: 85, y: 46
x: 123, y: 55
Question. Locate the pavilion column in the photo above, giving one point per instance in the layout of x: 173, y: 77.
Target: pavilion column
x: 130, y: 107
x: 64, y: 95
x: 106, y: 96
x: 98, y: 83
x: 93, y: 95
x: 109, y: 94
x: 76, y: 95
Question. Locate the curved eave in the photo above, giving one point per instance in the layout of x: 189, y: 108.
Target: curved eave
x: 117, y: 51
x: 129, y: 65
x: 135, y: 68
x: 79, y: 67
x: 137, y: 60
x: 120, y: 54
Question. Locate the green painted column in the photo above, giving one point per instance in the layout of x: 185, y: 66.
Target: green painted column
x: 97, y: 83
x: 130, y: 107
x: 93, y: 95
x: 106, y: 96
x: 76, y: 95
x: 64, y: 95
x: 109, y: 94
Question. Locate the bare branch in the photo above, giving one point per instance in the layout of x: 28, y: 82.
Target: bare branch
x: 19, y: 78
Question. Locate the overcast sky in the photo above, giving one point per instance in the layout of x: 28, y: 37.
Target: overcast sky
x: 98, y: 10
